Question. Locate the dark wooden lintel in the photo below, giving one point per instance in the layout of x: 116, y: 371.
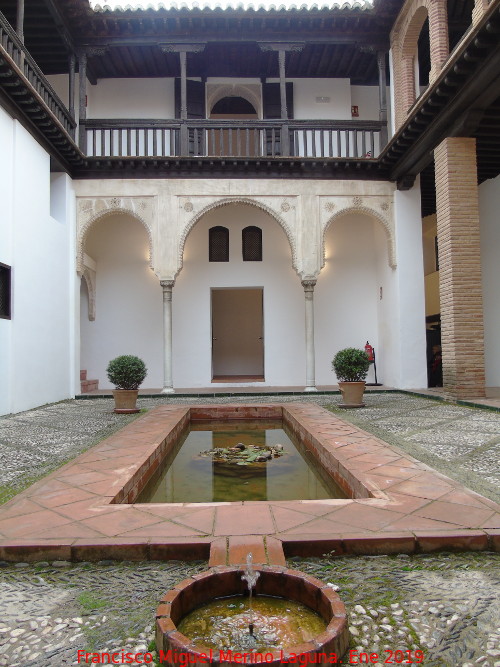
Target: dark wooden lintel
x: 197, y: 167
x: 406, y: 182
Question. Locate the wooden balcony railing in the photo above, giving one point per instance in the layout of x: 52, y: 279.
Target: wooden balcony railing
x: 15, y: 60
x: 226, y: 138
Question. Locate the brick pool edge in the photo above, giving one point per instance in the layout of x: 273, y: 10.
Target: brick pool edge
x: 222, y: 582
x: 80, y: 511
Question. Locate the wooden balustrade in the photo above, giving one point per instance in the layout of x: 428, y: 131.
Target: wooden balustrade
x: 13, y: 51
x: 226, y: 138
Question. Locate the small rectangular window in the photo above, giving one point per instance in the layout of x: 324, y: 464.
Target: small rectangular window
x: 5, y: 294
x: 252, y: 244
x: 218, y: 244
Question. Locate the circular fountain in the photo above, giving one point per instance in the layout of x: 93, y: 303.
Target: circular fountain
x: 227, y: 582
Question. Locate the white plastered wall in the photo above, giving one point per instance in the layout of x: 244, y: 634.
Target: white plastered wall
x: 347, y: 291
x: 154, y: 98
x: 305, y: 92
x: 6, y: 251
x: 39, y: 337
x: 408, y: 320
x: 131, y: 98
x: 128, y: 312
x: 489, y: 205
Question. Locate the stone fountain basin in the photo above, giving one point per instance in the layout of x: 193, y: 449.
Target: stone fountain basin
x: 226, y: 581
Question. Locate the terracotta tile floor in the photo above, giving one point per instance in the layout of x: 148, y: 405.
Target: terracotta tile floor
x: 406, y: 505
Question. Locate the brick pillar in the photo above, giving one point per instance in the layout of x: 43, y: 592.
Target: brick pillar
x: 460, y: 267
x: 480, y: 7
x: 438, y: 36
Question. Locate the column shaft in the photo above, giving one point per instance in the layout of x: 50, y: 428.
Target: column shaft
x: 183, y: 63
x: 460, y: 285
x: 281, y: 59
x: 71, y: 85
x: 308, y: 286
x: 82, y: 103
x: 20, y: 20
x: 382, y: 95
x: 167, y: 336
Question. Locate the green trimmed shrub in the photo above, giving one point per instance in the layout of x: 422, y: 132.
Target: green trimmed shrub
x: 126, y: 372
x: 351, y: 365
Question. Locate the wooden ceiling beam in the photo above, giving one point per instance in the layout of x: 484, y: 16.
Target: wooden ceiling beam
x: 379, y: 42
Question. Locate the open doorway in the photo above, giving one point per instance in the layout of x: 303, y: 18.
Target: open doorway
x: 237, y: 335
x: 237, y: 139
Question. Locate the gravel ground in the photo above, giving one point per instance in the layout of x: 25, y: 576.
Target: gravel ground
x: 445, y: 605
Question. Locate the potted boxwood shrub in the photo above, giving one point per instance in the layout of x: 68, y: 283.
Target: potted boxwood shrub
x: 127, y: 374
x: 351, y: 368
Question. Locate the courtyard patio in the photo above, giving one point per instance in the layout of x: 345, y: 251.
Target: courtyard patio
x: 420, y: 600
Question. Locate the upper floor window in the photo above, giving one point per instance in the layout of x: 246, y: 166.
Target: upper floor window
x: 5, y: 293
x: 218, y: 244
x: 251, y: 242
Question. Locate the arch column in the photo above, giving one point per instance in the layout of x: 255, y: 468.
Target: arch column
x: 167, y: 286
x: 308, y: 286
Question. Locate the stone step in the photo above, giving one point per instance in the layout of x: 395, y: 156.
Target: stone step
x: 89, y: 385
x: 233, y: 550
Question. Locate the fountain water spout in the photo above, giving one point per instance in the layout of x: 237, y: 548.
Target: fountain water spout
x: 250, y: 576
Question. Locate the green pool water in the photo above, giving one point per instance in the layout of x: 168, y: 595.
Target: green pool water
x: 223, y: 624
x: 187, y: 476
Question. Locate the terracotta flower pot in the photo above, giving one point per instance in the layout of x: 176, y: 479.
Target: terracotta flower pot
x: 352, y: 394
x: 125, y: 401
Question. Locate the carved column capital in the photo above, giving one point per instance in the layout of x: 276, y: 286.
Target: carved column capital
x: 308, y: 286
x: 167, y: 286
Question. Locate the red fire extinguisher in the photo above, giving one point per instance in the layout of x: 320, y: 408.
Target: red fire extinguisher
x: 370, y: 351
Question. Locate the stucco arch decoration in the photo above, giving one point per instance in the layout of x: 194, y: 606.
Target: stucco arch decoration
x: 337, y: 208
x: 249, y: 92
x: 197, y: 207
x: 92, y: 209
x: 88, y: 276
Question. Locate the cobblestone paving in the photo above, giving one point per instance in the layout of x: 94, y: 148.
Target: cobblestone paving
x: 443, y: 605
x: 50, y: 611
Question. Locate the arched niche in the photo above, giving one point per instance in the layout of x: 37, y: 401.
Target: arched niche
x: 372, y: 213
x: 93, y: 210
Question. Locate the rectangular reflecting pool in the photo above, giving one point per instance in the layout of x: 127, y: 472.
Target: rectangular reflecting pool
x: 230, y: 461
